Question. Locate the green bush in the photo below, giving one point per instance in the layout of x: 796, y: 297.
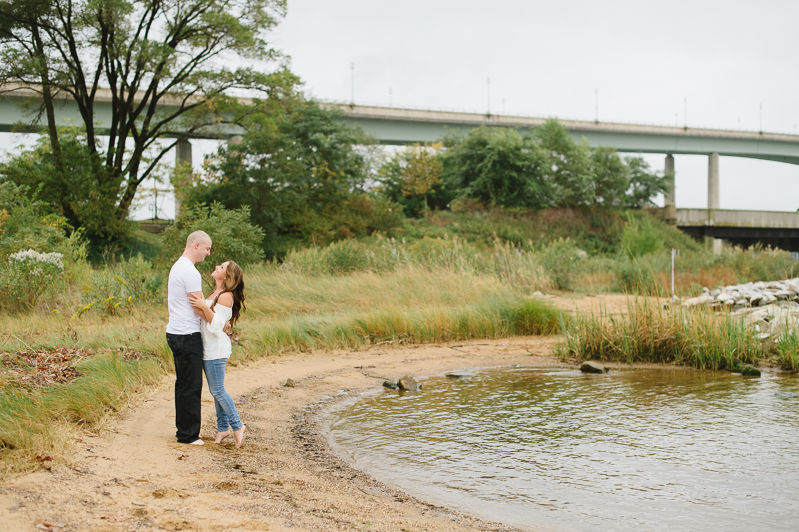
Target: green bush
x: 78, y: 188
x: 233, y: 237
x: 28, y: 275
x: 24, y: 224
x: 637, y: 276
x: 758, y: 264
x: 121, y: 286
x: 356, y: 216
x: 562, y: 259
x: 640, y: 237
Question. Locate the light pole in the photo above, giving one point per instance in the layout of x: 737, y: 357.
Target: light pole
x: 596, y: 105
x: 685, y: 102
x: 488, y: 86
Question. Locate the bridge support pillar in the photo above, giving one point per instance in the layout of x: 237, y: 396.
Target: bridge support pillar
x: 182, y: 156
x: 669, y: 197
x: 713, y: 196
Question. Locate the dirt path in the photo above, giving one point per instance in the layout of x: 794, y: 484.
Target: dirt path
x: 134, y: 476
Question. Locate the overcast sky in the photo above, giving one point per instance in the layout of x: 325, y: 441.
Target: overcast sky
x: 549, y: 58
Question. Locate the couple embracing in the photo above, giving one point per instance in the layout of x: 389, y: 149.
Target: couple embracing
x: 196, y: 335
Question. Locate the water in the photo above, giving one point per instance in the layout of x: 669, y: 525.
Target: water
x: 558, y: 450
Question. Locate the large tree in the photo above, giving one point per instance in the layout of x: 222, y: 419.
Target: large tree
x: 167, y: 67
x: 498, y: 167
x: 302, y: 172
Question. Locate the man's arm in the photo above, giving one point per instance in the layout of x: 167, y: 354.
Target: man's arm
x: 197, y: 311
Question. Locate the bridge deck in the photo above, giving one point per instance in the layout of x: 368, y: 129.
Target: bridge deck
x: 391, y: 125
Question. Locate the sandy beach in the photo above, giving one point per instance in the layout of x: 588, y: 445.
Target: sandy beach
x: 132, y: 475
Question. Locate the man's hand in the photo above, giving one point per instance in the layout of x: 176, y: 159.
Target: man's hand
x: 227, y: 327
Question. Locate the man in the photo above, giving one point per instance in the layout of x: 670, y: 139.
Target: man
x: 184, y: 339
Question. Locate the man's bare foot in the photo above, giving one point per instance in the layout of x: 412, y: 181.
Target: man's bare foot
x: 222, y: 435
x: 198, y: 442
x: 239, y: 435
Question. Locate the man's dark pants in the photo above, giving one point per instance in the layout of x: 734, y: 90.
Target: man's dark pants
x: 187, y: 351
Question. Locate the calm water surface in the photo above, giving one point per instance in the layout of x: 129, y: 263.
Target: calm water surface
x: 558, y: 450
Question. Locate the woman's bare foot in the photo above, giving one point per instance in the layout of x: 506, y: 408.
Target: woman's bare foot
x: 222, y: 435
x: 239, y: 435
x: 198, y: 442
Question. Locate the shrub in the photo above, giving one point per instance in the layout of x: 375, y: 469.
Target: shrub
x: 28, y: 276
x: 73, y: 185
x: 638, y: 276
x: 359, y: 215
x: 562, y: 259
x: 640, y: 237
x: 120, y: 286
x: 24, y: 223
x: 233, y: 237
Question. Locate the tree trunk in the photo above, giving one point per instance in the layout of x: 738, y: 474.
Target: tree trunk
x: 47, y: 98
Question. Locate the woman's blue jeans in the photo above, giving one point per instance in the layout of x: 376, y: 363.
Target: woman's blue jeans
x: 226, y: 413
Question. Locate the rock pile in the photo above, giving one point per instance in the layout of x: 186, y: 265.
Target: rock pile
x: 770, y: 309
x: 771, y: 321
x: 758, y: 294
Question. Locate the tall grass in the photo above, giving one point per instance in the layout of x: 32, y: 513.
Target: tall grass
x: 286, y: 312
x: 651, y: 274
x: 300, y: 312
x: 650, y: 333
x: 494, y: 317
x: 37, y: 422
x: 787, y: 351
x: 504, y: 261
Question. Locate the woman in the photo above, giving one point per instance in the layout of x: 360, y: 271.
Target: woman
x: 225, y: 303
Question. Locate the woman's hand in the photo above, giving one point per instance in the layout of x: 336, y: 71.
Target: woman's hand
x: 198, y: 302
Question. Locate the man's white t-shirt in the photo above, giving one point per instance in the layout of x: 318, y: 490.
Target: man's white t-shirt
x: 183, y: 278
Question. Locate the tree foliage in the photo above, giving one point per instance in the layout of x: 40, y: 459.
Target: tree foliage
x: 164, y: 67
x: 300, y: 172
x: 644, y: 184
x: 423, y: 171
x: 24, y: 223
x: 546, y: 168
x: 568, y: 167
x: 499, y: 167
x: 413, y: 178
x: 233, y: 236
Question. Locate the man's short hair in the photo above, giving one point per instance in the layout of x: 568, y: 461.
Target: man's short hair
x: 197, y: 236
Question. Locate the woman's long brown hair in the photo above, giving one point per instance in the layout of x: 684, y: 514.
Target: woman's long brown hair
x: 233, y: 283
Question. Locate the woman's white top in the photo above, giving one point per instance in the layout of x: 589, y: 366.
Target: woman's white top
x: 216, y: 343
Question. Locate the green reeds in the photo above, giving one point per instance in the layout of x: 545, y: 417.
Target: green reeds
x: 648, y: 332
x: 787, y: 351
x: 496, y: 316
x: 38, y: 422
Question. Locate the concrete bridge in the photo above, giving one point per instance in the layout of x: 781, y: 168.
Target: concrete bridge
x: 404, y: 126
x: 744, y: 228
x: 391, y: 125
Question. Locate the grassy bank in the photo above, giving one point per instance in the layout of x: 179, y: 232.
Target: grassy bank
x: 452, y: 277
x: 286, y: 312
x: 648, y: 332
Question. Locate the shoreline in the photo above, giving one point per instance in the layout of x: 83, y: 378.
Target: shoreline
x: 134, y: 476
